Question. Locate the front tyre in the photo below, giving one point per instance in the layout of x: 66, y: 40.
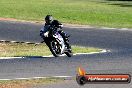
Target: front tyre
x: 54, y: 48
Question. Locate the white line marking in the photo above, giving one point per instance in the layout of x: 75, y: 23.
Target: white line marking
x: 87, y: 26
x: 103, y: 51
x: 27, y: 42
x: 121, y: 29
x: 2, y: 40
x: 10, y: 57
x: 14, y: 42
x: 107, y: 28
x: 77, y: 26
x: 38, y: 77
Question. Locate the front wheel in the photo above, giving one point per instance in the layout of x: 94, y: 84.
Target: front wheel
x: 54, y: 48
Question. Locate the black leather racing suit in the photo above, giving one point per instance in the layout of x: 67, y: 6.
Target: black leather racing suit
x: 58, y: 25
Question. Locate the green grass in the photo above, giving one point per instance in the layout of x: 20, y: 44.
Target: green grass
x: 90, y: 12
x: 81, y: 49
x: 29, y: 82
x: 21, y: 49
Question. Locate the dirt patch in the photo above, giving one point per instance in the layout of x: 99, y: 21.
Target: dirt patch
x: 2, y: 48
x: 8, y: 19
x: 77, y: 26
x: 41, y: 22
x: 16, y: 20
x: 15, y: 85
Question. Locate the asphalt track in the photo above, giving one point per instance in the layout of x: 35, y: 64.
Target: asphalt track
x: 119, y: 60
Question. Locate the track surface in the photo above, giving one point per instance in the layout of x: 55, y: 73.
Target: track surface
x: 119, y: 60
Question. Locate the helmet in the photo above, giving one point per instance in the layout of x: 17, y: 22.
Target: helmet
x: 48, y: 19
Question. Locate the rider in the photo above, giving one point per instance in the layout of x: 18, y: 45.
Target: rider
x: 49, y: 24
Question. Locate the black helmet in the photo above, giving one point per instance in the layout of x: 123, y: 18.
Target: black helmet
x: 48, y: 19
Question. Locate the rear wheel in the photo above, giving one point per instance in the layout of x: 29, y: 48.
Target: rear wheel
x: 69, y: 54
x: 69, y: 51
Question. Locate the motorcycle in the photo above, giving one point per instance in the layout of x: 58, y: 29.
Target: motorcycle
x: 56, y: 43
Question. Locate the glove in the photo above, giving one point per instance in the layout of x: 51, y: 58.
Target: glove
x: 46, y: 34
x: 61, y: 26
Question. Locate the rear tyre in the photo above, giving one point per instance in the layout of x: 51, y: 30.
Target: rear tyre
x: 69, y: 51
x: 69, y: 54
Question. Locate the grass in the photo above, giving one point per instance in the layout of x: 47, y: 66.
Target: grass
x: 21, y: 49
x: 29, y: 82
x: 91, y: 12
